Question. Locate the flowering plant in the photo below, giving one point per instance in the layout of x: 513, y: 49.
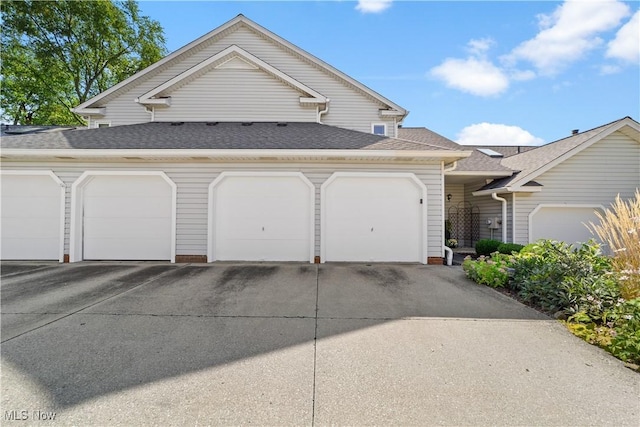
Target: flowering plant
x: 452, y: 243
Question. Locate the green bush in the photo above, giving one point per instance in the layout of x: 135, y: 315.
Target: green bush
x: 487, y: 246
x: 557, y: 277
x: 509, y: 248
x: 488, y: 271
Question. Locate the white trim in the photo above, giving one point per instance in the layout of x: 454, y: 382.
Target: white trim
x: 557, y: 205
x: 211, y: 212
x: 315, y: 97
x: 62, y: 185
x: 284, y: 154
x: 373, y: 126
x: 268, y: 34
x: 423, y: 216
x: 501, y: 190
x: 90, y: 111
x: 76, y: 232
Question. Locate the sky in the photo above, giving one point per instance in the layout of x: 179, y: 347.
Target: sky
x: 476, y: 72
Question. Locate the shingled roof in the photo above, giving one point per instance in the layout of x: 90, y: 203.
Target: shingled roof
x: 213, y: 135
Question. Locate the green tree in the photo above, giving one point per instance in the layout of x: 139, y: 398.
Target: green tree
x: 58, y: 54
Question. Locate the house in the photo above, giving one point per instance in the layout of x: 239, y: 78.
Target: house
x: 238, y: 146
x: 551, y: 191
x: 242, y: 146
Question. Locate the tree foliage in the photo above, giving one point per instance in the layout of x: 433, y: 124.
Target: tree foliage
x: 58, y: 54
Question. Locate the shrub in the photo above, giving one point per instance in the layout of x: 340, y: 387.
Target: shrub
x: 557, y: 277
x: 487, y: 246
x: 620, y: 228
x: 509, y: 248
x: 618, y: 331
x: 488, y: 271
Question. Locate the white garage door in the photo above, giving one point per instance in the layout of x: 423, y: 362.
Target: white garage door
x: 261, y: 217
x: 32, y: 217
x: 127, y: 218
x: 564, y: 223
x: 373, y: 218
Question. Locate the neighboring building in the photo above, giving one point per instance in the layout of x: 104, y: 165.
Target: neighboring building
x: 550, y: 191
x: 239, y: 146
x: 242, y: 146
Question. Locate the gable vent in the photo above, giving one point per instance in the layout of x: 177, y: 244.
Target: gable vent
x: 177, y: 123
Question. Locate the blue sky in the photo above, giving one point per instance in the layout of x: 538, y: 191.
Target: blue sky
x: 502, y: 72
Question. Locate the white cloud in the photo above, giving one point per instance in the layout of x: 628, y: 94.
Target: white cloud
x: 373, y: 6
x: 626, y: 45
x: 569, y: 33
x: 496, y: 134
x: 476, y: 74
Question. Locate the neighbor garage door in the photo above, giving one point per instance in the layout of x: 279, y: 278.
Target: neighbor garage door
x: 373, y: 217
x: 261, y: 217
x: 563, y: 223
x: 127, y: 217
x: 32, y: 216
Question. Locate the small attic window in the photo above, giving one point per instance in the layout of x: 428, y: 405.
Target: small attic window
x: 103, y: 124
x: 379, y: 129
x: 491, y: 153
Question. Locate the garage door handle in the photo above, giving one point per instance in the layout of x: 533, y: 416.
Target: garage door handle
x: 372, y: 229
x: 262, y: 228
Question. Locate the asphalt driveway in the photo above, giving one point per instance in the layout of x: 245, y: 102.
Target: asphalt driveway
x: 291, y: 344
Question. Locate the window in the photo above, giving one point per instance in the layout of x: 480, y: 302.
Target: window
x: 379, y: 129
x: 103, y: 124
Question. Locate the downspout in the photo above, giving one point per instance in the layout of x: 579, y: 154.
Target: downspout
x: 325, y: 111
x: 448, y: 251
x: 504, y: 214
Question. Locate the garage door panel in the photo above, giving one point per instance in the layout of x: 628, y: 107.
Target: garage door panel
x: 128, y: 186
x: 31, y: 218
x: 140, y: 228
x: 33, y: 228
x: 262, y: 218
x: 127, y: 218
x: 20, y: 248
x: 373, y: 219
x: 563, y: 223
x: 29, y: 207
x: 123, y: 207
x: 127, y: 249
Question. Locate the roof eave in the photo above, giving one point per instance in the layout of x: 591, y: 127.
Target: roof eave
x: 327, y: 155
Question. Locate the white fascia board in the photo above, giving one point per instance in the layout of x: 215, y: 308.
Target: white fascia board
x: 575, y: 150
x: 90, y: 111
x: 258, y: 154
x: 393, y: 113
x: 479, y: 173
x: 233, y: 50
x: 156, y: 101
x: 508, y: 189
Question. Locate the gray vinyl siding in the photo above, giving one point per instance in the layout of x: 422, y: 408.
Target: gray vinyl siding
x: 592, y: 177
x: 457, y: 195
x: 229, y: 94
x: 193, y: 179
x: 349, y: 107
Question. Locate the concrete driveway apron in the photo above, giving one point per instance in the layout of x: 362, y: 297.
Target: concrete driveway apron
x: 291, y: 344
